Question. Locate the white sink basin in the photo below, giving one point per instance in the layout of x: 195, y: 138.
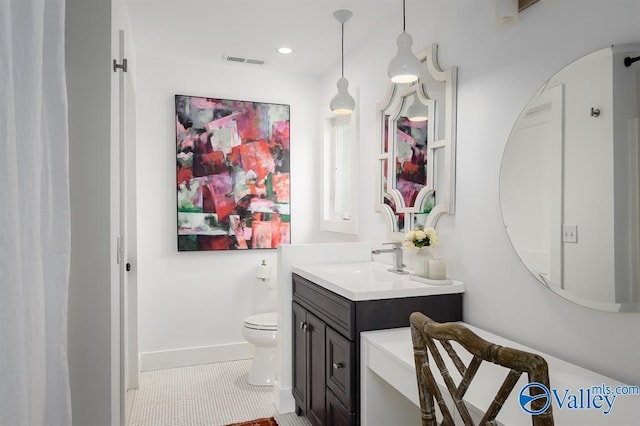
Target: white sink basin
x: 364, y: 272
x: 369, y: 281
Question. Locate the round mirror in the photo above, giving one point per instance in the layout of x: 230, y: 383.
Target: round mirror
x: 569, y: 181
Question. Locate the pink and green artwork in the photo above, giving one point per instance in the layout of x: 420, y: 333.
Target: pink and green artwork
x: 232, y: 174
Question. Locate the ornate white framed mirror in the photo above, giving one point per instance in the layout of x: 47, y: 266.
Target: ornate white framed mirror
x: 417, y: 143
x: 569, y: 182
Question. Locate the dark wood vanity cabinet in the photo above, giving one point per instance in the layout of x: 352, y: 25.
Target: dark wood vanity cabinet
x: 326, y: 345
x: 309, y: 359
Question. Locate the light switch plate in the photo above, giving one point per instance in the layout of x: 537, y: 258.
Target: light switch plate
x: 570, y: 233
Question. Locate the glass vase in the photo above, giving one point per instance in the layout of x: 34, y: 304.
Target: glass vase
x: 420, y: 261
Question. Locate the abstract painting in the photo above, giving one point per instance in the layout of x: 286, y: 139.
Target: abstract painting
x: 411, y: 158
x: 232, y: 174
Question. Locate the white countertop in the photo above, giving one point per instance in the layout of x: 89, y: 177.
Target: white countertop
x: 394, y: 348
x: 370, y: 281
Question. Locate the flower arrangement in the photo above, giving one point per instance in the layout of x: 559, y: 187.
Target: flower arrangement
x: 419, y: 237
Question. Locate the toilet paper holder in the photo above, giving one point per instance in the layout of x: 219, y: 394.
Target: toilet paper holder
x: 263, y: 271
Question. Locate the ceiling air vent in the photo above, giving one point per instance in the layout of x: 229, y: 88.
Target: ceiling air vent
x: 255, y: 61
x: 243, y: 60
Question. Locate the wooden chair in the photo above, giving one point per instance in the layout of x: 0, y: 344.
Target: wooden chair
x: 423, y: 332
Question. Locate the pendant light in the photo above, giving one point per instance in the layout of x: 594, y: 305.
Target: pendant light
x: 405, y: 66
x: 418, y: 111
x: 343, y: 102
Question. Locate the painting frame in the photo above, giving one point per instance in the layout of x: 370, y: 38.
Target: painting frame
x: 232, y: 174
x: 523, y: 4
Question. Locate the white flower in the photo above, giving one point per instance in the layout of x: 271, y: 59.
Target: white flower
x: 408, y: 244
x: 433, y: 237
x: 410, y: 236
x: 418, y: 237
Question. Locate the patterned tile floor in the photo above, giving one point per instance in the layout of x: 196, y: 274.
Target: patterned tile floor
x: 204, y: 395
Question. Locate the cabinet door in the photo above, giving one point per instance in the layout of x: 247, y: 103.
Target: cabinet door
x: 340, y: 367
x: 300, y: 358
x: 338, y: 414
x: 316, y: 363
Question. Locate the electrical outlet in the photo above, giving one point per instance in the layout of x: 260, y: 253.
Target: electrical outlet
x: 569, y: 233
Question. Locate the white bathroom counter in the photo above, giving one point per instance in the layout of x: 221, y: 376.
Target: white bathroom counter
x: 390, y: 392
x: 370, y: 281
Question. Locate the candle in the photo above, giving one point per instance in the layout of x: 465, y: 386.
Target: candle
x: 437, y: 269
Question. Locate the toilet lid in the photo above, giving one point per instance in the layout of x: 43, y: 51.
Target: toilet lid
x: 266, y: 321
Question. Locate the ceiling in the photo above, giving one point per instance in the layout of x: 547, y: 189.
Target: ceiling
x: 210, y: 29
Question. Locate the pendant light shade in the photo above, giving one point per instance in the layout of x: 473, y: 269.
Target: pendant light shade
x: 417, y: 111
x: 405, y: 66
x: 343, y: 102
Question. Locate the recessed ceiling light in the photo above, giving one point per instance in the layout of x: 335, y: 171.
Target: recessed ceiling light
x: 285, y: 50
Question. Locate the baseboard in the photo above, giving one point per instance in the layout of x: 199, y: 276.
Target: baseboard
x: 128, y: 400
x: 194, y: 356
x: 283, y: 399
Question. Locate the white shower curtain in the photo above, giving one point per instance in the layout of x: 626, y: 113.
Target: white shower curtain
x: 34, y: 215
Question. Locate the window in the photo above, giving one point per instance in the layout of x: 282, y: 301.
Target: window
x: 340, y: 172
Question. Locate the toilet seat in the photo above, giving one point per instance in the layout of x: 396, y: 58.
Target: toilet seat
x: 267, y: 321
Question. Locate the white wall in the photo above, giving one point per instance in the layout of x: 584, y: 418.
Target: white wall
x: 191, y: 304
x: 191, y: 300
x: 500, y: 68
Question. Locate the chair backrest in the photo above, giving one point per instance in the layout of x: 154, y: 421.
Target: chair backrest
x: 423, y: 332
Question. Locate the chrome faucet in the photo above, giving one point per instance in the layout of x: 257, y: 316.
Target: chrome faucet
x: 397, y: 254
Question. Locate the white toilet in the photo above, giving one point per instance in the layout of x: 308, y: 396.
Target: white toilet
x: 261, y: 330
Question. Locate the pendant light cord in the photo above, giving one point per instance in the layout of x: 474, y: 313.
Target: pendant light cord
x: 342, y: 50
x: 403, y: 17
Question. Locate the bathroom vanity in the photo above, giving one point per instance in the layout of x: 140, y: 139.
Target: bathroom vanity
x: 334, y: 303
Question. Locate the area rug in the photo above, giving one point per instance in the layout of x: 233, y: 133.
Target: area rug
x: 257, y: 422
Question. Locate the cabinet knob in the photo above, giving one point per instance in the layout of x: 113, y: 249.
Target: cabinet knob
x: 303, y: 326
x: 338, y: 365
